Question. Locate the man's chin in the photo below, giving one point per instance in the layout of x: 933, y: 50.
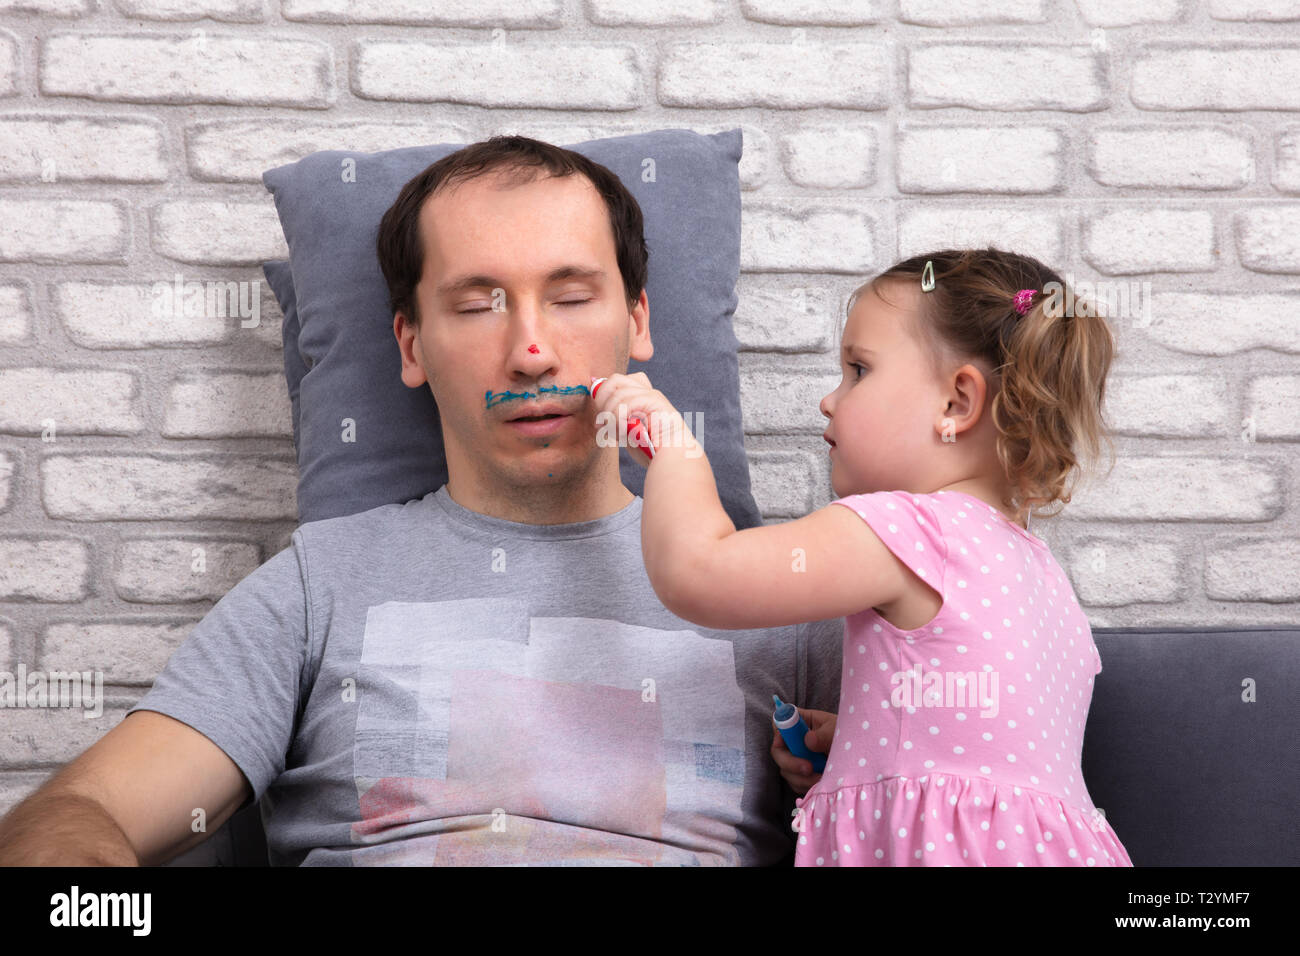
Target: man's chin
x: 540, y: 468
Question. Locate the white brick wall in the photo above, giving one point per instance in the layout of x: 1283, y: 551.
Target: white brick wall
x: 145, y: 459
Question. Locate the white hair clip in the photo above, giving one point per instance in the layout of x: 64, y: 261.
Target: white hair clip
x: 927, y: 277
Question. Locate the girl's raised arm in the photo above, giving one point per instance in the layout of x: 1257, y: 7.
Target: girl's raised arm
x: 829, y: 564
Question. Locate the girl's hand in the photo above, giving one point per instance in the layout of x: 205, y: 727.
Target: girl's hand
x: 639, y: 400
x: 798, y: 773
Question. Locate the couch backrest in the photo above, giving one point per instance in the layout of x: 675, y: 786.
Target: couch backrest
x: 1190, y: 747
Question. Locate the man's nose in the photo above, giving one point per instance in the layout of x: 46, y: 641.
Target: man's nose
x: 530, y: 348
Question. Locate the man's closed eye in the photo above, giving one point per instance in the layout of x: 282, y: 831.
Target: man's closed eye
x: 489, y: 308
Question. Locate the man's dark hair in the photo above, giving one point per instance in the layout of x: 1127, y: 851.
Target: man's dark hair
x: 520, y: 159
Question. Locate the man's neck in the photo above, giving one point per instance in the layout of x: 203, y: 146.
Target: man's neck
x: 541, y: 504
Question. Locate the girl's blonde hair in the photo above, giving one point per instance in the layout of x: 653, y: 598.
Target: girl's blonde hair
x: 1048, y: 365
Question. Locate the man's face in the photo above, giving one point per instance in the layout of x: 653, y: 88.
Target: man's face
x: 543, y: 254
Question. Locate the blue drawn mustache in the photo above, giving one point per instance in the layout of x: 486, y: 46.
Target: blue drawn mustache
x: 496, y: 398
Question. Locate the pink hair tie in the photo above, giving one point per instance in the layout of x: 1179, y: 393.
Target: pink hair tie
x: 1023, y: 298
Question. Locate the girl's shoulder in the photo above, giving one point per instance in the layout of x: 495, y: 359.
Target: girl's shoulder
x: 902, y: 501
x: 950, y: 511
x: 909, y: 526
x: 917, y: 512
x: 938, y: 525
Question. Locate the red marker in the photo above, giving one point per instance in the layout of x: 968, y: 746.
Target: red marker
x: 533, y: 349
x: 636, y: 431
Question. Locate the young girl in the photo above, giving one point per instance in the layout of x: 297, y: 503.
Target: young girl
x: 970, y: 380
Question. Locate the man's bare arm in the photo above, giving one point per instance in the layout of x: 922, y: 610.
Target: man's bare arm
x: 128, y: 800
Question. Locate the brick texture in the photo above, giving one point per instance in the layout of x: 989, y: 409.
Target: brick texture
x: 146, y: 461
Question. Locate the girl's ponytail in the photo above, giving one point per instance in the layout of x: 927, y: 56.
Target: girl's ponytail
x: 1049, y: 406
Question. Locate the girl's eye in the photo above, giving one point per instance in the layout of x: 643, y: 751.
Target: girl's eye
x: 857, y: 366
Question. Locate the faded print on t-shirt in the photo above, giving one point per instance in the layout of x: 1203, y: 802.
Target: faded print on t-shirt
x: 610, y: 728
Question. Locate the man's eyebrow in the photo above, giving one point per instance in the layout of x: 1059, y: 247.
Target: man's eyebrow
x: 462, y: 283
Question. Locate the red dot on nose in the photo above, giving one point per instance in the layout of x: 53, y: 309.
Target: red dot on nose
x: 533, y: 349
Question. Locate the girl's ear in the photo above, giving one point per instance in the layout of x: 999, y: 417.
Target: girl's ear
x: 965, y: 394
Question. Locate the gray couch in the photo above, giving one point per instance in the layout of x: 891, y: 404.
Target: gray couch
x: 1187, y: 771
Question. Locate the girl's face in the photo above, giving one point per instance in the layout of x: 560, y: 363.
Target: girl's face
x: 886, y: 415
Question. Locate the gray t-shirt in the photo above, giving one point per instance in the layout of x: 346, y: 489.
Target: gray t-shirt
x: 422, y: 684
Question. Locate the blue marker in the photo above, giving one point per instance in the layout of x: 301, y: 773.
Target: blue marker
x: 793, y: 729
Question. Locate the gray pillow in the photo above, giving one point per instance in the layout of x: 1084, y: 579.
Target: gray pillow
x: 342, y: 360
x: 280, y: 279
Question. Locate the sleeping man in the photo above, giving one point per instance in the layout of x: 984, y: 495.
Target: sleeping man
x: 482, y: 675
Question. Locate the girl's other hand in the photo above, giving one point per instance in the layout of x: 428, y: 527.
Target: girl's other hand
x: 798, y: 773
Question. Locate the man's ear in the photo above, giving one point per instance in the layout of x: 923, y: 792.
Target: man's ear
x: 408, y: 343
x: 639, y: 345
x: 964, y: 395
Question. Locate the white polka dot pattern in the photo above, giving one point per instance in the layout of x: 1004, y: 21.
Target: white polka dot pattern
x: 971, y: 755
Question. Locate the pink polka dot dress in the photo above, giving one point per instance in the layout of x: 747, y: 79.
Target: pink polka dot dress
x: 959, y: 742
